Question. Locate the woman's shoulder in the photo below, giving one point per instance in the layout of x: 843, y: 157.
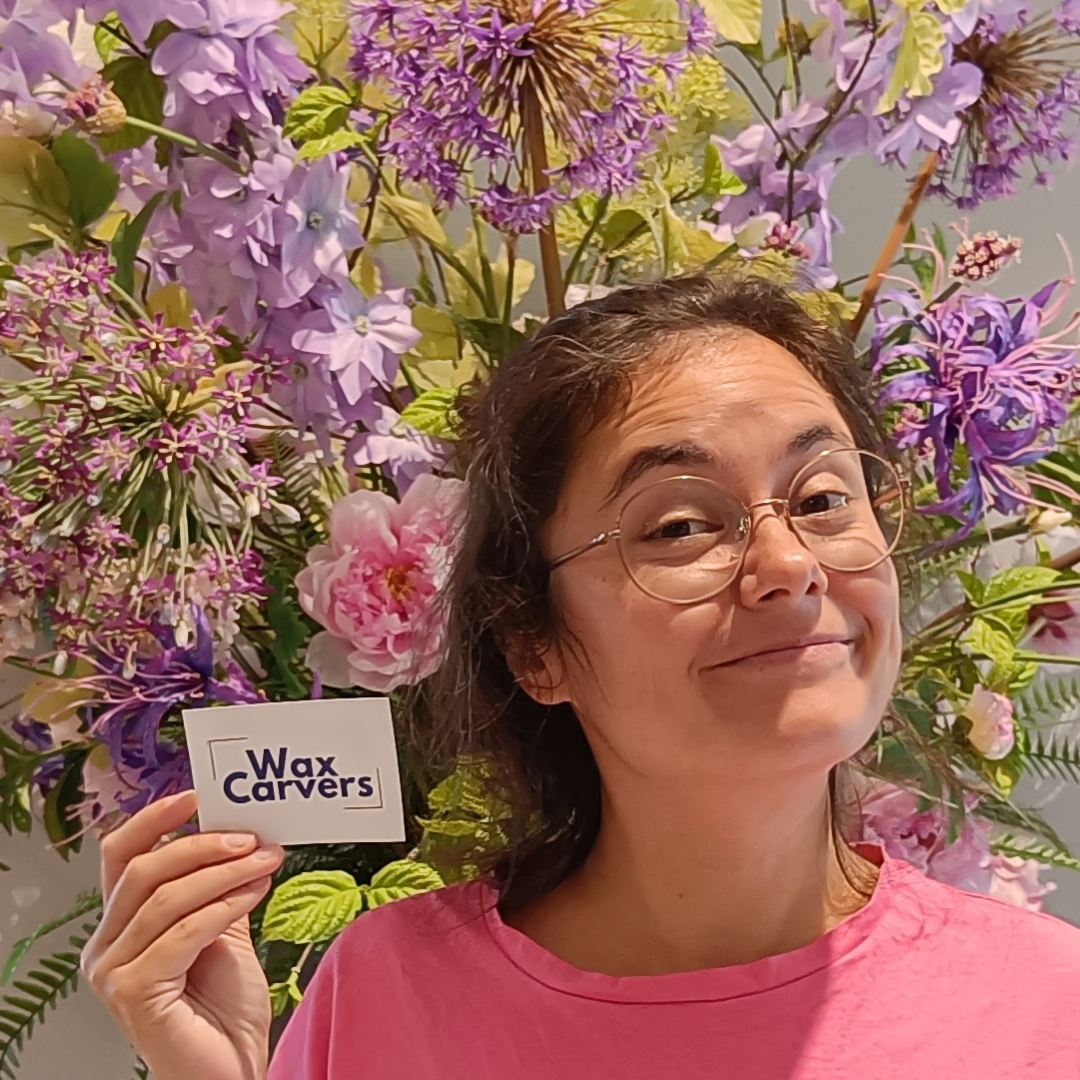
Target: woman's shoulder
x: 420, y: 930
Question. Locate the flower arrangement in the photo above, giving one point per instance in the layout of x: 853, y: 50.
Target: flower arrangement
x: 252, y: 250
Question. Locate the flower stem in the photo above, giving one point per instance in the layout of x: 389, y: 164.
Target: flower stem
x: 186, y: 140
x: 532, y: 121
x: 893, y: 242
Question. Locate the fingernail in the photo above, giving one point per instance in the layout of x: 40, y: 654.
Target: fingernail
x: 272, y: 853
x: 238, y: 840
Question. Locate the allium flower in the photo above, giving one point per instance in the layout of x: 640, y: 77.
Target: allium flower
x: 992, y: 732
x: 375, y: 586
x: 362, y: 339
x: 492, y: 79
x: 1027, y: 114
x: 983, y: 374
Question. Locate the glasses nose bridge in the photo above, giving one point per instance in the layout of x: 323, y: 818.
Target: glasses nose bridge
x: 783, y: 511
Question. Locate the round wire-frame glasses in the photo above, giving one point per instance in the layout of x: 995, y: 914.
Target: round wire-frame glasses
x: 850, y: 520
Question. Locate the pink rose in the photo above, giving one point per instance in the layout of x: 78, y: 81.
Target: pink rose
x: 993, y: 732
x: 375, y: 586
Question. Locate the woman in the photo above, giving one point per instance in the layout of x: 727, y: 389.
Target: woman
x: 674, y: 617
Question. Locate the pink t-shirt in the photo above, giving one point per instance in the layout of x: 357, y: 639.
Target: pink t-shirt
x: 926, y: 982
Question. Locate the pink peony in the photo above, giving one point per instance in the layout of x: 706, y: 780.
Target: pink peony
x: 375, y: 585
x: 993, y: 732
x: 890, y: 817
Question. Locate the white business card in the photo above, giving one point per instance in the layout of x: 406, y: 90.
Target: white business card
x: 298, y: 772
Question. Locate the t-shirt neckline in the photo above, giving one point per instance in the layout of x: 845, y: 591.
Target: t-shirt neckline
x: 711, y: 984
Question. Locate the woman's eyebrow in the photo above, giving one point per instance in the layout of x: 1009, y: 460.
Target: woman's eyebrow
x: 686, y: 453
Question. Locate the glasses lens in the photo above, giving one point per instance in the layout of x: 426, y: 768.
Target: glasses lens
x: 848, y: 508
x: 681, y: 538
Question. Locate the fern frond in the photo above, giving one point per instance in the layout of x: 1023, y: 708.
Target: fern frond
x: 1047, y: 854
x: 1054, y: 696
x: 1024, y: 818
x: 1051, y: 755
x: 42, y: 989
x: 86, y: 902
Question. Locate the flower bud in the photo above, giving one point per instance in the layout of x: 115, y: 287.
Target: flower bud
x: 95, y: 107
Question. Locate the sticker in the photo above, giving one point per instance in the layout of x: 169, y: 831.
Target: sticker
x: 298, y: 772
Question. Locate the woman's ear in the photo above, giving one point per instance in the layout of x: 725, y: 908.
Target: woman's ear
x: 538, y: 670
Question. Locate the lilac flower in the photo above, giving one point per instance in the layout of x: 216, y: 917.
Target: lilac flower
x: 486, y: 66
x: 223, y: 61
x: 138, y: 16
x: 362, y: 339
x: 42, y: 55
x: 317, y: 227
x: 982, y: 374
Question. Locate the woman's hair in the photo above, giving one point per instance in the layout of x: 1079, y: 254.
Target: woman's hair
x: 519, y: 432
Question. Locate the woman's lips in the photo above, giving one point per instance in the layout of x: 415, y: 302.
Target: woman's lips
x: 814, y: 650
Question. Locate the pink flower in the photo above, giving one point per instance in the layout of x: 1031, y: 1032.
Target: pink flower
x: 375, y: 586
x: 1057, y: 628
x: 890, y: 817
x: 993, y: 732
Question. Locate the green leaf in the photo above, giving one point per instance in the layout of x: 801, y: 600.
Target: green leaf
x: 921, y: 55
x: 1019, y: 579
x: 61, y: 828
x: 315, y: 906
x: 93, y: 183
x: 941, y: 242
x: 974, y: 587
x: 433, y: 412
x: 990, y: 641
x: 125, y: 244
x: 737, y: 20
x: 418, y: 218
x: 143, y: 94
x: 290, y: 632
x: 282, y: 994
x: 496, y: 338
x: 107, y: 43
x: 619, y: 226
x: 717, y: 180
x: 329, y: 144
x: 317, y: 112
x: 400, y: 879
x: 87, y: 901
x: 33, y: 192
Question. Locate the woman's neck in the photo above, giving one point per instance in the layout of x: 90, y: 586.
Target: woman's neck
x: 676, y: 897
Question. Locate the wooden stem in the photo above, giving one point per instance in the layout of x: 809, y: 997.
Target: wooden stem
x: 532, y: 120
x: 892, y: 244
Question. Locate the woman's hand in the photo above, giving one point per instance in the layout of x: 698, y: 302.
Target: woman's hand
x: 172, y: 957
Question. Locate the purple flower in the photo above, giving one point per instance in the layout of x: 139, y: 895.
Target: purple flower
x: 317, y: 227
x: 979, y: 373
x: 223, y: 61
x: 130, y: 697
x: 138, y: 16
x: 401, y: 451
x: 362, y: 339
x: 484, y: 66
x: 41, y: 54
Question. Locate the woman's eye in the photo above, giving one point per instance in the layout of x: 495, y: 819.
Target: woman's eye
x: 821, y: 502
x: 681, y: 528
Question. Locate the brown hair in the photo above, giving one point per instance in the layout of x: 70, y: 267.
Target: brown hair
x: 519, y: 432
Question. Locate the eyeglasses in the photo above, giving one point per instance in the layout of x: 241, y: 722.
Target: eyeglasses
x: 683, y: 539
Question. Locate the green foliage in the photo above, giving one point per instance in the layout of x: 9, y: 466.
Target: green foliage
x: 433, y: 412
x: 317, y: 112
x: 126, y: 241
x: 737, y: 20
x: 717, y: 180
x: 329, y: 144
x: 143, y: 94
x: 1050, y: 755
x: 496, y: 338
x: 921, y: 55
x: 93, y: 183
x: 54, y: 978
x: 87, y: 902
x: 317, y: 906
x: 1054, y: 697
x: 290, y: 631
x: 1047, y: 854
x: 33, y: 193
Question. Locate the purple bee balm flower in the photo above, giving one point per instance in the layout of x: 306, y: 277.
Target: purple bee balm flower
x: 362, y: 339
x: 979, y: 373
x: 316, y: 226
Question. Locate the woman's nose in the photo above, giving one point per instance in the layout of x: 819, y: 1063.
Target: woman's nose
x: 777, y: 564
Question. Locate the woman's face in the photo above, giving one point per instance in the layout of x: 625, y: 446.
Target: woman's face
x: 672, y: 691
